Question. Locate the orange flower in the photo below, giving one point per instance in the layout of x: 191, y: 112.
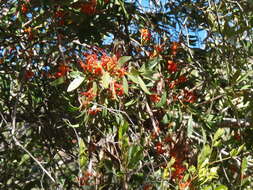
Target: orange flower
x: 147, y: 187
x: 189, y: 96
x: 184, y: 185
x: 29, y: 74
x: 93, y: 111
x: 179, y: 171
x: 118, y: 89
x: 182, y: 79
x: 172, y: 66
x: 175, y: 46
x: 109, y: 63
x: 157, y: 50
x: 145, y: 35
x: 121, y: 72
x: 24, y: 8
x: 59, y: 14
x: 159, y: 148
x: 154, y: 98
x: 62, y: 71
x: 89, y: 94
x: 89, y: 8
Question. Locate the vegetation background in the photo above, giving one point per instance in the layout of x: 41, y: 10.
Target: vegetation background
x: 115, y: 94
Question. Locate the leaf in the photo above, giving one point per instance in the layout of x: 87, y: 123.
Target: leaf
x: 123, y: 8
x: 133, y: 76
x: 233, y: 152
x: 94, y: 88
x: 218, y: 134
x: 58, y: 81
x: 123, y: 60
x: 131, y: 102
x: 244, y: 165
x: 243, y: 77
x: 153, y: 62
x: 134, y: 155
x: 221, y: 187
x: 143, y: 85
x: 106, y: 79
x: 71, y: 125
x: 83, y: 159
x: 125, y: 85
x: 75, y: 74
x: 205, y: 153
x: 75, y: 83
x: 162, y: 101
x: 24, y: 158
x: 190, y: 127
x: 122, y: 129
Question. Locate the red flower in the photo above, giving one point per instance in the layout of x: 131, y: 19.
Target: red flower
x: 29, y: 74
x: 182, y: 79
x: 94, y: 111
x: 89, y: 94
x: 172, y: 66
x: 121, y: 72
x: 109, y: 63
x: 58, y: 14
x: 62, y: 71
x: 118, y: 89
x: 89, y: 8
x: 147, y: 187
x: 175, y: 46
x: 189, y: 96
x: 179, y: 171
x: 155, y: 98
x: 159, y: 148
x: 24, y: 8
x: 145, y: 35
x: 184, y: 185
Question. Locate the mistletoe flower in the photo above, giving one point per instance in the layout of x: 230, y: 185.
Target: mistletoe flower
x: 145, y: 35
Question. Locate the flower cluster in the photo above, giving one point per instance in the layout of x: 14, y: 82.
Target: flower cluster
x: 145, y: 35
x: 62, y: 71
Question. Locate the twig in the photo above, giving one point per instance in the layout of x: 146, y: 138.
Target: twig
x: 13, y: 116
x: 153, y: 120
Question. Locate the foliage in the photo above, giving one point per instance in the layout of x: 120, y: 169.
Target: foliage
x: 113, y: 94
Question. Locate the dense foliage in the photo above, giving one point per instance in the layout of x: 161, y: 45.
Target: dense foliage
x: 114, y: 94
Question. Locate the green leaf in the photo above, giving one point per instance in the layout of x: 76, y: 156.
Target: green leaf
x: 123, y: 60
x: 125, y: 85
x: 83, y: 158
x: 205, y: 154
x: 218, y: 134
x: 190, y: 127
x: 58, y: 81
x: 240, y: 149
x: 221, y: 187
x: 244, y: 164
x: 153, y: 62
x: 233, y: 152
x: 134, y: 155
x: 94, y: 87
x: 106, y: 79
x: 75, y: 83
x: 243, y: 77
x: 133, y: 76
x: 123, y: 8
x: 24, y: 158
x: 122, y: 129
x: 143, y: 85
x: 162, y: 101
x: 131, y: 102
x: 75, y: 74
x: 71, y: 125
